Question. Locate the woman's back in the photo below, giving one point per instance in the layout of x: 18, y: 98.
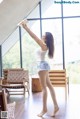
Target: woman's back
x: 41, y: 54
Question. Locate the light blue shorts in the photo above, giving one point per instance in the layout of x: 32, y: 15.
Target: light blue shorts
x: 43, y: 65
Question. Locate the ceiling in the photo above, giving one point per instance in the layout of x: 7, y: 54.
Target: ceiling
x: 11, y: 13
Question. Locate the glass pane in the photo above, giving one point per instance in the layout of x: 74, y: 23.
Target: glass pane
x: 11, y: 51
x: 54, y: 26
x: 12, y: 58
x: 72, y: 8
x: 34, y: 13
x: 50, y: 9
x: 10, y: 41
x: 72, y: 48
x: 29, y: 48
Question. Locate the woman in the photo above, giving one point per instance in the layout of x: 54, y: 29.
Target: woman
x: 46, y: 45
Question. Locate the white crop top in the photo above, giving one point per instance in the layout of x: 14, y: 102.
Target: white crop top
x: 41, y: 55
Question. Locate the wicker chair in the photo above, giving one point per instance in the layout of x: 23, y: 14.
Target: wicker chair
x: 16, y: 79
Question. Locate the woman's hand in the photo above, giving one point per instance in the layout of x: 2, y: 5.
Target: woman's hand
x: 23, y: 23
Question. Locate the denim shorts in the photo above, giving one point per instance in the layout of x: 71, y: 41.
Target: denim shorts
x: 43, y: 65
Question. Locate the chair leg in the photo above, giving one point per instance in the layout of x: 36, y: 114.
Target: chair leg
x: 66, y: 93
x: 24, y: 90
x: 27, y: 88
x: 68, y: 84
x: 7, y: 92
x: 68, y: 87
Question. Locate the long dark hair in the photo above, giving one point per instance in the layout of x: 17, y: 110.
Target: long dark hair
x: 50, y: 44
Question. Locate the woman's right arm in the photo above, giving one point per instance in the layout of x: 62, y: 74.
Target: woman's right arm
x: 24, y: 25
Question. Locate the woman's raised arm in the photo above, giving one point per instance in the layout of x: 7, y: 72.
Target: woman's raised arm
x: 39, y: 41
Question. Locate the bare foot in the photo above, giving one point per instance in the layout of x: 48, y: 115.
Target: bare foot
x: 42, y: 113
x: 56, y: 109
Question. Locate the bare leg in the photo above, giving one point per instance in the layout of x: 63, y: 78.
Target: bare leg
x: 42, y: 75
x: 52, y: 92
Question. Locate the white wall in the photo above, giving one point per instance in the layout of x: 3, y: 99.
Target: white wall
x: 11, y: 13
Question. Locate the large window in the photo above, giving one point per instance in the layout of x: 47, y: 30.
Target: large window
x: 62, y: 19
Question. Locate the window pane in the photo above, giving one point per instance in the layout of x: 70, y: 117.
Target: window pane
x: 72, y: 48
x: 10, y: 41
x: 54, y: 26
x: 11, y: 51
x: 12, y: 58
x: 72, y: 39
x: 72, y: 8
x: 50, y: 9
